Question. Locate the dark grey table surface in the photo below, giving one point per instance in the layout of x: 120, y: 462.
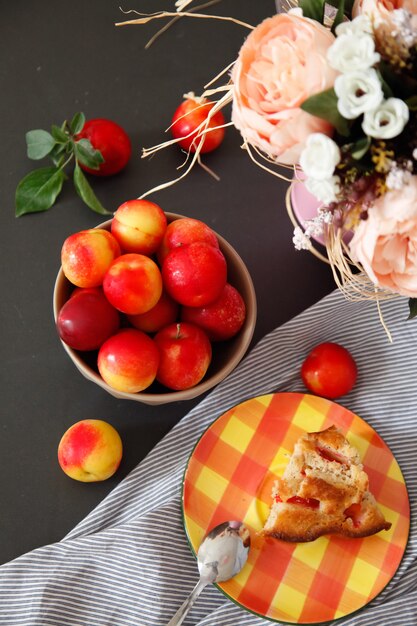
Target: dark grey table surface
x: 59, y: 58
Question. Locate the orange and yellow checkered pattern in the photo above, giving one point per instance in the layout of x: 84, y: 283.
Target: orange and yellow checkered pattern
x: 230, y: 476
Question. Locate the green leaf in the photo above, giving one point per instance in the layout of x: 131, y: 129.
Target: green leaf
x: 404, y: 86
x: 324, y: 105
x: 313, y: 9
x: 385, y: 87
x: 39, y: 144
x: 38, y: 190
x: 87, y: 155
x: 86, y: 193
x: 77, y: 123
x: 361, y: 147
x: 412, y: 303
x: 348, y: 8
x: 57, y: 155
x: 339, y: 15
x: 58, y: 134
x: 412, y: 103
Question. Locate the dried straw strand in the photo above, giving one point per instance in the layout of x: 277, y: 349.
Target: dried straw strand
x: 172, y: 182
x: 355, y: 287
x: 272, y: 161
x: 178, y: 17
x: 181, y: 4
x: 208, y: 169
x: 381, y: 319
x: 201, y: 130
x: 248, y: 149
x: 349, y: 275
x: 223, y: 71
x: 148, y: 17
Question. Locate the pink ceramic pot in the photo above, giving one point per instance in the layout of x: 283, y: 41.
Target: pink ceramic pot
x: 304, y: 204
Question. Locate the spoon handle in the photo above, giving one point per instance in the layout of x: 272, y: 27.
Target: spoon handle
x: 179, y: 616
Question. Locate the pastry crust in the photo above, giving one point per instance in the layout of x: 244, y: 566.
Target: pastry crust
x: 324, y: 490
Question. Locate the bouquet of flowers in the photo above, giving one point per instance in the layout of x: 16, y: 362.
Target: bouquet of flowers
x: 330, y: 91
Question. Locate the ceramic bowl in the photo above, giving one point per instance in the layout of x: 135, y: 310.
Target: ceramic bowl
x: 226, y: 354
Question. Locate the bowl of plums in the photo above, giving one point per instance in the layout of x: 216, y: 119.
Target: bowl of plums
x: 153, y: 306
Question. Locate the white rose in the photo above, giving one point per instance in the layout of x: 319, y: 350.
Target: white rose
x: 350, y: 52
x: 359, y: 26
x: 387, y: 120
x: 319, y: 157
x: 358, y: 92
x: 325, y: 190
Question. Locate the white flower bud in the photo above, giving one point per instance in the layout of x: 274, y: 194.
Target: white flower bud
x: 359, y: 26
x: 324, y: 190
x: 387, y: 120
x: 398, y: 177
x: 300, y: 240
x: 349, y: 53
x: 319, y: 157
x: 358, y: 92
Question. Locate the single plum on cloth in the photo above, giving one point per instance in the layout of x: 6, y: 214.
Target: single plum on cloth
x: 128, y: 563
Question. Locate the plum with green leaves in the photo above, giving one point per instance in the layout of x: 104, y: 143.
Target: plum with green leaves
x: 112, y: 142
x: 72, y: 143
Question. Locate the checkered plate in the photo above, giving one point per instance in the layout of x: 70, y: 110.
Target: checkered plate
x: 230, y: 475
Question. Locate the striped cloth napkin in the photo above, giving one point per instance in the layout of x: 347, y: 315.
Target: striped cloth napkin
x: 128, y: 563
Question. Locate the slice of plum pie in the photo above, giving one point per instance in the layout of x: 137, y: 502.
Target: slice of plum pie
x: 324, y: 490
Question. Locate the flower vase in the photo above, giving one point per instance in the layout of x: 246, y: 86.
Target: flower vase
x: 303, y: 205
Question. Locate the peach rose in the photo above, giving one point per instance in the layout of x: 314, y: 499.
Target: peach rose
x: 281, y: 64
x: 386, y: 243
x: 381, y: 9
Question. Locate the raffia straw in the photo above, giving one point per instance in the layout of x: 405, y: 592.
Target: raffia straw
x: 181, y: 4
x: 209, y: 130
x: 148, y: 17
x: 248, y: 149
x: 272, y: 161
x: 283, y: 6
x: 355, y: 286
x: 178, y: 17
x: 202, y: 103
x: 349, y: 275
x: 210, y: 92
x: 221, y: 102
x: 208, y: 169
x: 223, y: 71
x: 381, y: 319
x: 200, y: 130
x: 188, y: 153
x: 172, y: 182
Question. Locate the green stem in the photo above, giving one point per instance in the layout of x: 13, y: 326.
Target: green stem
x: 71, y: 156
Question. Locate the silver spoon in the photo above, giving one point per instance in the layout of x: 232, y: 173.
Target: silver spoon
x: 221, y: 555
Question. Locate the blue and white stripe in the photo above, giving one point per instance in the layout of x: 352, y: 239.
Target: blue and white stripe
x: 128, y: 562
